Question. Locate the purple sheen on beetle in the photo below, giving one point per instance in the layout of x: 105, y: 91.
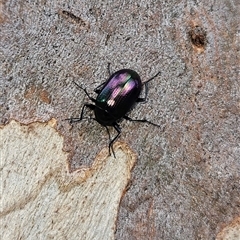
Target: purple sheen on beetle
x: 128, y: 87
x: 117, y: 96
x: 119, y: 85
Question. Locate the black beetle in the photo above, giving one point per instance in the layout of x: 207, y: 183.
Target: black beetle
x: 116, y: 97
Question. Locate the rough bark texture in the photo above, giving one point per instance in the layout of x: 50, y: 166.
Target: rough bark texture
x: 186, y: 182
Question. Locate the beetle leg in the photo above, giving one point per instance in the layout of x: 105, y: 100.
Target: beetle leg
x: 110, y: 146
x: 140, y: 120
x: 146, y: 88
x: 146, y: 93
x: 108, y: 67
x: 99, y: 88
x: 152, y: 78
x: 73, y: 120
x: 109, y: 136
x: 84, y: 89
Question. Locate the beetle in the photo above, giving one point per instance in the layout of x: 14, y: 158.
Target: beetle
x: 116, y: 97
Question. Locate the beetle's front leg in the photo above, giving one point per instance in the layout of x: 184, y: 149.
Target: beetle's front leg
x: 109, y: 70
x: 146, y: 93
x: 100, y: 87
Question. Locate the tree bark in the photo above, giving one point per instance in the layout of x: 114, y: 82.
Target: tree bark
x: 59, y: 182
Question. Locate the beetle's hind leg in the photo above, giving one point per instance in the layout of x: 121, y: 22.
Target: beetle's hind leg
x: 111, y: 142
x: 74, y: 120
x: 141, y: 120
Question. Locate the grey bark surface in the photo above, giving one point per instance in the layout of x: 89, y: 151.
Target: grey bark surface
x: 186, y: 181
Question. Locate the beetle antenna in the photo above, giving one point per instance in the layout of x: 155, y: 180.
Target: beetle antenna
x: 84, y: 89
x: 152, y: 77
